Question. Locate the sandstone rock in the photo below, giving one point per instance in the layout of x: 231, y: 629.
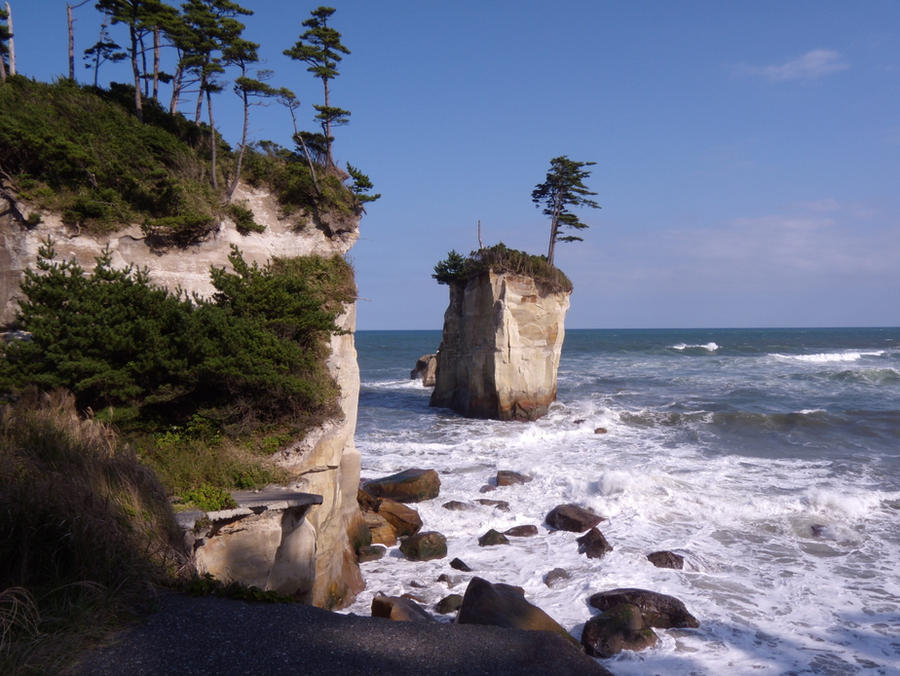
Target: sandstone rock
x: 658, y: 610
x: 556, y: 578
x: 382, y: 531
x: 426, y: 369
x: 411, y: 485
x: 405, y: 520
x: 457, y: 506
x: 500, y: 348
x: 491, y: 538
x: 366, y: 502
x: 504, y: 606
x: 617, y: 629
x: 665, y: 559
x: 424, y: 546
x: 370, y: 553
x: 507, y: 477
x: 502, y: 505
x: 521, y: 531
x: 412, y: 597
x: 459, y: 564
x: 593, y: 544
x: 572, y: 518
x: 398, y: 609
x: 449, y: 604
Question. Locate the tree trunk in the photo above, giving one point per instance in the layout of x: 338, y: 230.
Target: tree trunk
x: 199, y: 100
x: 144, y: 79
x: 327, y: 126
x: 156, y: 63
x: 138, y: 104
x: 240, y: 157
x: 2, y: 69
x: 11, y: 44
x: 212, y: 139
x: 176, y: 88
x: 71, y: 42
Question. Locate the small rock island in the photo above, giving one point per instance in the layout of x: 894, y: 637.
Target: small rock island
x: 503, y: 334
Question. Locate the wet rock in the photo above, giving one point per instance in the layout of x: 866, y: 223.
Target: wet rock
x: 578, y: 421
x: 487, y: 488
x: 600, y: 430
x: 451, y: 580
x: 572, y: 518
x: 426, y: 369
x: 411, y: 485
x: 424, y: 546
x: 594, y: 544
x: 449, y: 604
x: 457, y: 506
x: 382, y: 532
x: 619, y: 628
x: 370, y: 553
x: 459, y: 564
x: 491, y: 538
x: 506, y: 477
x: 367, y: 503
x: 503, y: 605
x: 405, y: 520
x: 658, y: 610
x: 521, y: 531
x: 666, y: 559
x: 818, y: 529
x: 556, y: 578
x: 412, y: 597
x: 502, y: 505
x: 398, y: 609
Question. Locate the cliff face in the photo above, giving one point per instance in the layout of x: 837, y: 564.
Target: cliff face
x: 500, y: 348
x: 326, y: 462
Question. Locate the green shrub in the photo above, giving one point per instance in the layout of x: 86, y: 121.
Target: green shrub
x: 209, y: 498
x: 243, y: 219
x: 458, y: 269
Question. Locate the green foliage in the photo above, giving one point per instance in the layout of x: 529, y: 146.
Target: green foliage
x: 361, y: 185
x: 458, y: 269
x: 209, y: 498
x: 243, y: 219
x: 81, y: 153
x: 207, y: 585
x: 563, y: 188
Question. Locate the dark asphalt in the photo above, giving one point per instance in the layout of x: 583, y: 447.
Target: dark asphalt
x: 211, y: 635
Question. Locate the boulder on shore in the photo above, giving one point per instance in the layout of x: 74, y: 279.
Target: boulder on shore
x: 411, y: 485
x: 666, y: 559
x: 424, y: 546
x: 405, y: 520
x: 399, y: 609
x: 594, y: 544
x: 426, y: 369
x: 370, y: 553
x: 491, y: 538
x: 658, y: 610
x: 521, y: 531
x: 449, y: 604
x: 619, y: 628
x: 572, y: 518
x: 503, y: 605
x: 506, y: 477
x: 502, y: 505
x: 556, y: 578
x: 459, y: 564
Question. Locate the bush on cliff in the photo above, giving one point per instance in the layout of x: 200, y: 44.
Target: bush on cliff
x: 458, y: 269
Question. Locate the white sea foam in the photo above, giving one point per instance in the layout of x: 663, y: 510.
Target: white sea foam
x: 709, y: 347
x: 824, y: 357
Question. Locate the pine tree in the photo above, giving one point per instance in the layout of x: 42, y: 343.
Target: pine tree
x: 5, y: 35
x: 102, y: 51
x: 563, y: 188
x: 320, y: 47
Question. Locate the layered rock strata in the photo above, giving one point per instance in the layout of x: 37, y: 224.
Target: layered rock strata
x: 326, y: 461
x: 500, y: 347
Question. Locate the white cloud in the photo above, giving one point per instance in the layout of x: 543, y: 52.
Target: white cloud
x: 810, y: 66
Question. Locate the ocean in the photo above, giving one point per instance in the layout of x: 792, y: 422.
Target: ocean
x: 768, y: 458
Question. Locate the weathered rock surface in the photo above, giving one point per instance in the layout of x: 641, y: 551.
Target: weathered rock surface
x: 449, y: 604
x: 326, y: 461
x: 492, y: 538
x: 405, y: 520
x: 424, y: 546
x: 572, y: 518
x: 370, y: 553
x: 658, y: 610
x: 500, y: 348
x: 459, y: 564
x: 556, y: 578
x: 666, y: 559
x: 502, y: 505
x: 506, y: 477
x: 399, y: 609
x: 457, y: 506
x: 382, y: 532
x: 619, y: 628
x: 426, y: 369
x: 503, y: 605
x: 521, y: 531
x: 594, y: 544
x: 411, y: 485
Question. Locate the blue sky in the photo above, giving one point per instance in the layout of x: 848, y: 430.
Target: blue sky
x: 747, y: 153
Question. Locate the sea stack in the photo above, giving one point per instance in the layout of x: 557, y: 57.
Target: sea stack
x: 500, y: 349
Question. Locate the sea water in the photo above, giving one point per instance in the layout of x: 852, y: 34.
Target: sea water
x: 769, y: 459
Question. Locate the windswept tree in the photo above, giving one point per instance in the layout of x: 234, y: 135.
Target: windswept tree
x: 320, y: 47
x: 564, y: 188
x: 102, y: 51
x: 5, y: 36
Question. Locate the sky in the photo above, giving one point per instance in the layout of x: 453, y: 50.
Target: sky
x: 747, y: 154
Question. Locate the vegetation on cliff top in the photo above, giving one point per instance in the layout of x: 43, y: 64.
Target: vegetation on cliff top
x: 458, y: 269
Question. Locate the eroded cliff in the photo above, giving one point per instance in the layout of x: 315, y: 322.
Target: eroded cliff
x: 500, y: 349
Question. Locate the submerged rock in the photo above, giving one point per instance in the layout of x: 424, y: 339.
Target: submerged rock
x: 424, y: 546
x: 521, y: 531
x: 594, y: 544
x: 506, y: 477
x: 666, y: 559
x: 556, y: 578
x: 459, y: 564
x: 572, y: 518
x: 491, y: 538
x: 619, y: 628
x: 502, y: 505
x: 658, y: 610
x: 411, y: 485
x: 458, y: 506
